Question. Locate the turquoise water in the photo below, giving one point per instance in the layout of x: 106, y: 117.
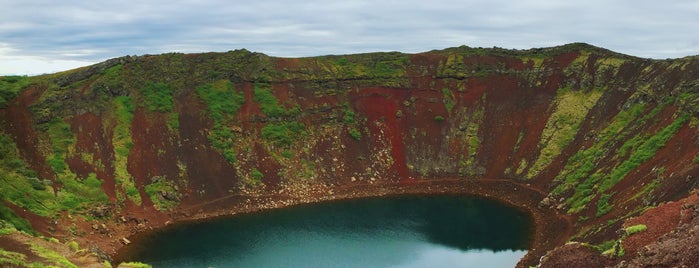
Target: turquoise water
x: 401, y: 231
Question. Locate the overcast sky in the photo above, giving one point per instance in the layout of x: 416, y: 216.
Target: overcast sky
x: 48, y: 36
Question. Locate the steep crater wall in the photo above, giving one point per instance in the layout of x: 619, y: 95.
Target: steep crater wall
x: 135, y: 142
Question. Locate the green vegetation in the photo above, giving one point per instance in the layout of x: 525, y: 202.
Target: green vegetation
x: 52, y: 257
x: 348, y: 114
x: 439, y: 118
x: 14, y: 259
x: 603, y: 206
x: 582, y: 164
x: 78, y: 195
x: 134, y: 265
x: 257, y: 177
x: 123, y: 108
x: 62, y: 141
x: 163, y: 193
x: 635, y: 229
x: 73, y: 245
x: 284, y: 133
x: 571, y: 108
x: 268, y: 103
x: 158, y: 97
x: 10, y: 221
x: 467, y: 162
x: 222, y: 103
x: 643, y: 152
x: 16, y: 183
x: 448, y: 99
x: 74, y: 194
x: 579, y: 171
x: 279, y: 133
x: 355, y: 134
x: 10, y: 87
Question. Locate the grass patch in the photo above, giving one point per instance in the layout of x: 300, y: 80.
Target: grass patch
x: 635, y: 229
x: 643, y: 152
x: 603, y: 206
x: 448, y: 99
x: 163, y: 193
x: 158, y: 97
x: 10, y: 221
x: 578, y: 173
x: 12, y: 259
x: 268, y: 103
x: 222, y: 104
x: 284, y: 133
x: 134, y: 265
x: 571, y: 108
x: 62, y: 140
x: 52, y: 257
x: 439, y: 118
x: 355, y: 134
x: 17, y: 183
x: 10, y: 86
x: 123, y: 108
x: 256, y: 176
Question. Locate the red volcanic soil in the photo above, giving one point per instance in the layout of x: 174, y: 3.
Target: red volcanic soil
x: 671, y: 237
x: 380, y: 111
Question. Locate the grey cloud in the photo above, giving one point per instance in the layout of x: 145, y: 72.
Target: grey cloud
x: 97, y: 30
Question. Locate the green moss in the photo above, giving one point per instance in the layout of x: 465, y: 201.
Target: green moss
x: 268, y: 102
x: 355, y: 134
x: 17, y: 182
x: 579, y: 174
x: 222, y: 103
x: 10, y: 86
x: 257, y: 177
x: 62, y: 140
x: 571, y: 108
x: 467, y: 162
x: 163, y: 193
x: 348, y: 114
x: 603, y: 206
x: 77, y: 195
x: 52, y: 257
x: 643, y: 152
x: 134, y: 265
x: 12, y: 259
x: 9, y: 220
x: 635, y: 229
x: 123, y: 108
x: 448, y: 99
x: 158, y: 97
x: 284, y: 133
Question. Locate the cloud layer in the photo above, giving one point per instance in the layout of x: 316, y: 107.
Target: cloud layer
x: 46, y: 36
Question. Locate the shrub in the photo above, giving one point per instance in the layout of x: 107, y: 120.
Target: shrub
x: 439, y: 118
